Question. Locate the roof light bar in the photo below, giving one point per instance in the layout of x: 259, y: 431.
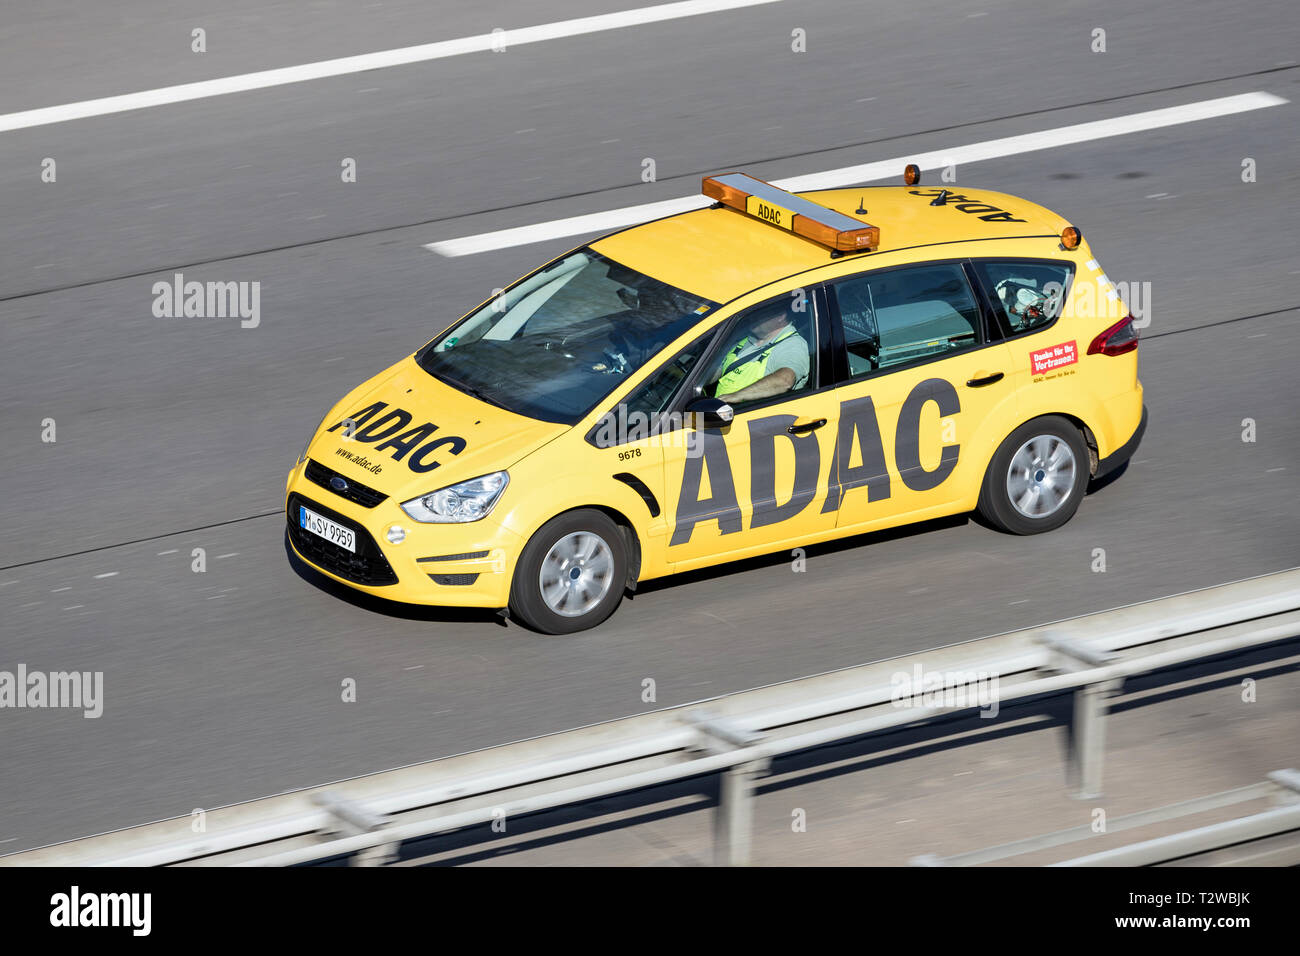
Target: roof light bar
x: 785, y: 210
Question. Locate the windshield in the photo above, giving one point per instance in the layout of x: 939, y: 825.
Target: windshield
x: 557, y: 343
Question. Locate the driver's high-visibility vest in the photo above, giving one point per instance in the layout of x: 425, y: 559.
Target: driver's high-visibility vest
x: 751, y: 369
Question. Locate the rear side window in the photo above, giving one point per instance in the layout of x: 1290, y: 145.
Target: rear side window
x: 1026, y: 295
x: 902, y: 316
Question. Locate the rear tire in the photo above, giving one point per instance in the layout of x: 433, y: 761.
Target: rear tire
x: 571, y: 574
x: 1037, y: 477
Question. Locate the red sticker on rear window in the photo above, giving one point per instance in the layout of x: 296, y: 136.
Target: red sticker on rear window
x: 1053, y: 357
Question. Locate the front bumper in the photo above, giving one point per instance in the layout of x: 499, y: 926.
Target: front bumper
x: 454, y: 565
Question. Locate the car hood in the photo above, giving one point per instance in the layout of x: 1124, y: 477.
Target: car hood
x: 415, y: 434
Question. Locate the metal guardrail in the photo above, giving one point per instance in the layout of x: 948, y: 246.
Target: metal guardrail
x: 1283, y: 786
x: 367, y: 818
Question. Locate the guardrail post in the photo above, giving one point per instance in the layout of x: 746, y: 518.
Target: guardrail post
x: 1088, y: 750
x: 1088, y: 728
x: 733, y: 824
x: 351, y: 819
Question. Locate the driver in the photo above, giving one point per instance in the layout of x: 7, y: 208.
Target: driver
x: 771, y: 359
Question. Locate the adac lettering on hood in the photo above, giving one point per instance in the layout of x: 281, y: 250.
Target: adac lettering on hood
x: 420, y: 447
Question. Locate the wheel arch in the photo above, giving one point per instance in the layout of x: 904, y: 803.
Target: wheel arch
x: 631, y: 540
x: 989, y: 500
x: 1089, y: 438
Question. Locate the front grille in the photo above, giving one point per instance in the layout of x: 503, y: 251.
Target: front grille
x: 454, y: 578
x: 368, y: 566
x: 356, y: 492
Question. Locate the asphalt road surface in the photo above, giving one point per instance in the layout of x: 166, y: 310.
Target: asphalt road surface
x: 175, y: 434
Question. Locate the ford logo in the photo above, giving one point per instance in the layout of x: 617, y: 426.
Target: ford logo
x: 339, y: 484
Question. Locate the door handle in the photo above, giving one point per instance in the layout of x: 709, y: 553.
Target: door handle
x: 806, y: 427
x: 984, y: 380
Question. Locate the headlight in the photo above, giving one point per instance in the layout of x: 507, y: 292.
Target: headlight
x: 467, y: 501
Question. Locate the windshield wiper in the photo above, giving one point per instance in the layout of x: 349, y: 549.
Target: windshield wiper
x: 466, y: 388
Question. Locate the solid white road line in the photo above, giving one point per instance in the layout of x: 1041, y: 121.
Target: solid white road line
x: 504, y: 39
x: 884, y: 169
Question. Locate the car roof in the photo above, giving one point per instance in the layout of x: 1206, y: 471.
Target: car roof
x: 721, y: 253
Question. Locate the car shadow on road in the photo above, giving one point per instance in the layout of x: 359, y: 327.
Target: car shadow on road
x: 812, y: 550
x: 1097, y: 484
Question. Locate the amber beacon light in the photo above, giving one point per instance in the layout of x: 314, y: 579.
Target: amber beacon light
x: 785, y: 210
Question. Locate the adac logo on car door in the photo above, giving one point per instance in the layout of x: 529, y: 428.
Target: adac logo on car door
x: 853, y: 456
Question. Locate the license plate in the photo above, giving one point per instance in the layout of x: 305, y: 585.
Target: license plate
x: 331, y: 531
x: 770, y: 212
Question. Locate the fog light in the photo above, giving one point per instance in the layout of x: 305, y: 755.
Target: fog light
x: 396, y: 534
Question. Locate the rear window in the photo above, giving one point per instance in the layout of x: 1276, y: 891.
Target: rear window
x: 1026, y: 294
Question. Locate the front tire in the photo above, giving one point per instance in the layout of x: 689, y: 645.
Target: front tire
x: 571, y: 574
x: 1037, y: 477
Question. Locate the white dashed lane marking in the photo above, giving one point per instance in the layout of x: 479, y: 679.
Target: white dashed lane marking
x: 868, y: 172
x: 342, y: 66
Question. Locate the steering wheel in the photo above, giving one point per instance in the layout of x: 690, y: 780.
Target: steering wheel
x: 1024, y: 305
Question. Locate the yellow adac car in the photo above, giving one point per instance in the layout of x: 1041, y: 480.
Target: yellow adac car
x: 768, y: 372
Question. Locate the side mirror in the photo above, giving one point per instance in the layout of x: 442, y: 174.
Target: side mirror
x: 710, y: 412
